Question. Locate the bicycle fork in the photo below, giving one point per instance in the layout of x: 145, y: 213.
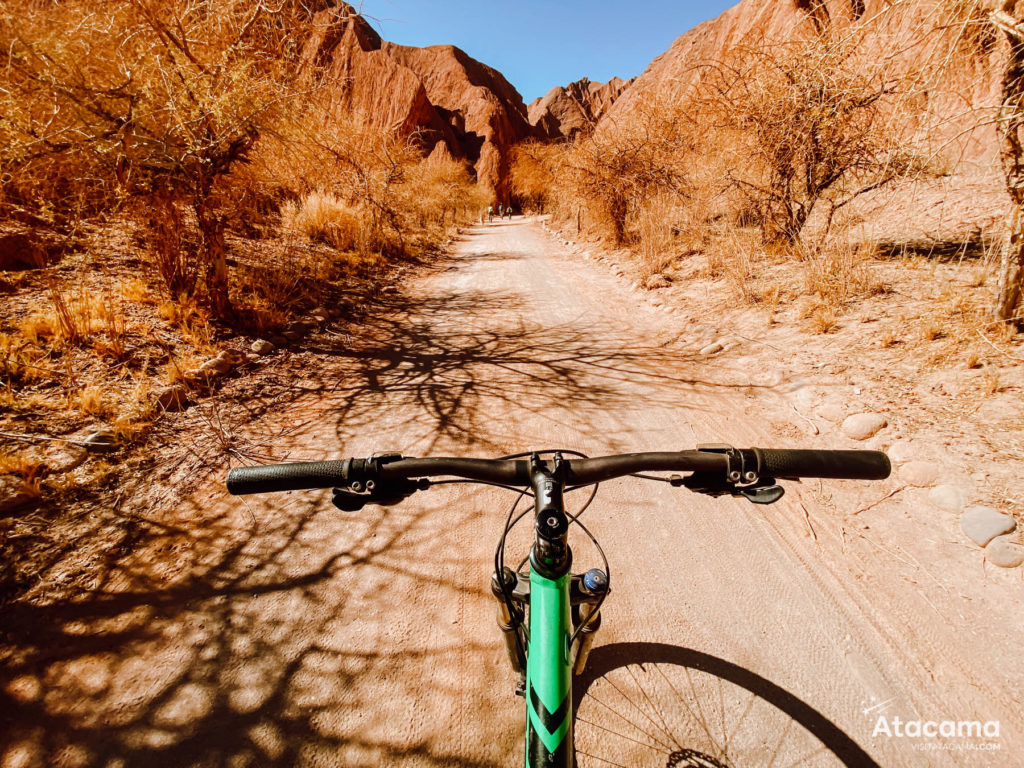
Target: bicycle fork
x: 539, y: 615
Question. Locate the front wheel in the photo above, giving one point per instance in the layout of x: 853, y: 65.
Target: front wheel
x: 647, y: 705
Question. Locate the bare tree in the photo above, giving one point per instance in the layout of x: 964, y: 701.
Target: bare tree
x: 807, y: 124
x: 153, y: 99
x: 617, y: 168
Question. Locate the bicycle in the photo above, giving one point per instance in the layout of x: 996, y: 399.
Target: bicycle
x: 549, y: 616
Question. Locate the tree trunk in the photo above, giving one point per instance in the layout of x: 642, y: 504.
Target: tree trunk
x: 618, y: 208
x: 1011, y: 154
x: 1011, y: 271
x: 215, y: 252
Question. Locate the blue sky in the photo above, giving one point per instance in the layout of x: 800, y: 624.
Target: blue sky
x: 540, y: 44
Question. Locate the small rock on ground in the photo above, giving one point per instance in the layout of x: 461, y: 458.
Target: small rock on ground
x: 831, y: 412
x: 982, y: 524
x: 861, y: 426
x: 262, y: 347
x: 173, y: 398
x: 1004, y: 552
x: 216, y: 365
x: 101, y: 441
x: 922, y: 474
x: 902, y: 451
x: 949, y: 497
x: 232, y: 357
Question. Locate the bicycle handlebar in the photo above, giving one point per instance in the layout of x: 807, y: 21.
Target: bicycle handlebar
x: 782, y: 463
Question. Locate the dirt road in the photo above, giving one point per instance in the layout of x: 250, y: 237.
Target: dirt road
x: 281, y: 631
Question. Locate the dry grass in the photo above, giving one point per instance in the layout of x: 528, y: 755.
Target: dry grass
x: 90, y: 400
x: 325, y: 218
x: 839, y: 272
x: 822, y: 318
x: 28, y: 468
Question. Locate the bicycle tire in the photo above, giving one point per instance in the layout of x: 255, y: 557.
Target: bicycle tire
x: 651, y: 704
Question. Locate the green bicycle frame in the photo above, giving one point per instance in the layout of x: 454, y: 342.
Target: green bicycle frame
x: 563, y: 616
x: 549, y: 674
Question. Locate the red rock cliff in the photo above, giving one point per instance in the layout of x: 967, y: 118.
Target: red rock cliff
x: 565, y: 112
x: 438, y: 91
x: 969, y: 79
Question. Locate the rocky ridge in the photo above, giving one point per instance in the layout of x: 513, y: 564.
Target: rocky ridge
x: 565, y: 112
x: 453, y: 103
x: 970, y: 77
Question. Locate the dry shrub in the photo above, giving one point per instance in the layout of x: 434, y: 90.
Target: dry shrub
x: 532, y: 174
x: 653, y: 225
x: 608, y: 177
x: 803, y: 124
x: 193, y: 118
x: 22, y: 361
x: 90, y: 400
x: 823, y: 318
x: 76, y: 319
x: 134, y: 289
x: 838, y: 273
x: 737, y: 256
x: 361, y: 189
x: 27, y: 467
x: 156, y: 99
x: 174, y: 247
x: 325, y: 218
x: 191, y: 320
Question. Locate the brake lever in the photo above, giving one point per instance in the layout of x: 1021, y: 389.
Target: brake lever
x: 384, y: 494
x: 764, y: 490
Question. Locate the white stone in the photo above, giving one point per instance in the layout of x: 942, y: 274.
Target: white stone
x: 831, y: 412
x: 949, y: 497
x: 216, y: 365
x: 102, y: 441
x: 922, y: 474
x: 902, y: 451
x: 982, y: 524
x: 861, y: 426
x: 1004, y: 552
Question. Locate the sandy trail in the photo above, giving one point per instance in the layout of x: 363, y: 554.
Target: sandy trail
x: 284, y: 632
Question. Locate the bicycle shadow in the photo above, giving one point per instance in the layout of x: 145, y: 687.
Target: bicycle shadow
x: 606, y: 660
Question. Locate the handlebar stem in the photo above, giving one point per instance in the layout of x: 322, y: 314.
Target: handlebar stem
x: 550, y: 554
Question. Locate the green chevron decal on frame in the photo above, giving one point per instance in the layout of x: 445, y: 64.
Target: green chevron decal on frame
x: 550, y: 727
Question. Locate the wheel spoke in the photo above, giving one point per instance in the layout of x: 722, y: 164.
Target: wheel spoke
x: 672, y: 714
x: 628, y: 721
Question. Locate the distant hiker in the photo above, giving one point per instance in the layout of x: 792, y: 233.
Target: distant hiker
x: 508, y: 211
x: 500, y: 214
x: 490, y: 212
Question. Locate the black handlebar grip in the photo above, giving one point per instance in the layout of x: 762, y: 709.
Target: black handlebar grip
x: 848, y: 465
x: 288, y: 477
